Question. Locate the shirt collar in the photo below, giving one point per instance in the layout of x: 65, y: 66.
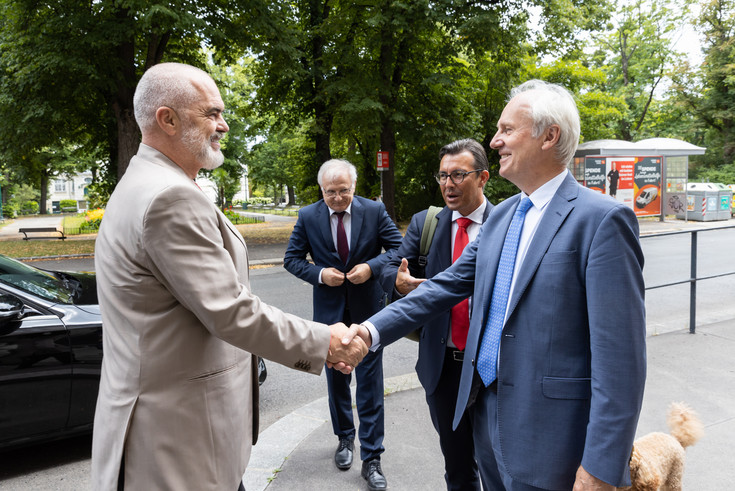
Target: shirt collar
x: 475, y: 216
x: 541, y: 197
x: 348, y: 210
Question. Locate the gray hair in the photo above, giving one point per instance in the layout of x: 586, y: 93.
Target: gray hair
x: 164, y: 85
x: 553, y: 104
x: 333, y: 168
x: 469, y: 145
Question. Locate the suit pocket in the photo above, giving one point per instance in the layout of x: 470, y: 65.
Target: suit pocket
x: 559, y: 257
x: 567, y: 388
x: 212, y: 374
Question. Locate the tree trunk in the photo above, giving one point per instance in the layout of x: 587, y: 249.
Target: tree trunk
x: 291, y: 195
x: 322, y: 116
x: 42, y: 208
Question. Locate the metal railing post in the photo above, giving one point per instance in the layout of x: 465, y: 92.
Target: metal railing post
x: 693, y: 286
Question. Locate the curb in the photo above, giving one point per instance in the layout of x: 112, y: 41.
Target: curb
x: 280, y: 439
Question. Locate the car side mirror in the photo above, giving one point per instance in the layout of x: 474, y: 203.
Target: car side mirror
x: 11, y: 310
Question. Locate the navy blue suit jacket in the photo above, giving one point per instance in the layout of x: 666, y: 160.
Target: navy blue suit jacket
x: 372, y: 230
x: 435, y: 333
x: 572, y: 352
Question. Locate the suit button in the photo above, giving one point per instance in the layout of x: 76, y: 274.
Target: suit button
x: 472, y: 362
x: 443, y: 340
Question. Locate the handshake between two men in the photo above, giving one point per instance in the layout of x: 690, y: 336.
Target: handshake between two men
x: 347, y: 346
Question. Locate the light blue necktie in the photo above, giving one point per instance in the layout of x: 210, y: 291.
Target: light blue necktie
x: 487, y: 359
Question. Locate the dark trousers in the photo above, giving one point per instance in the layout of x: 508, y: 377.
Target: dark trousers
x: 484, y: 415
x: 461, y: 472
x: 369, y: 400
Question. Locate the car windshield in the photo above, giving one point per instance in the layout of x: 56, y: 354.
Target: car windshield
x: 35, y: 281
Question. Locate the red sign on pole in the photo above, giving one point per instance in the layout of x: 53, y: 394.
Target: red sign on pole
x: 383, y: 161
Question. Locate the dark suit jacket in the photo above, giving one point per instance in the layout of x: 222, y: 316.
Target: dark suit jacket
x: 434, y: 334
x: 572, y: 353
x: 372, y: 230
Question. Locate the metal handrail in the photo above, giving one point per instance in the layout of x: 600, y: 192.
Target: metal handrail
x: 693, y: 270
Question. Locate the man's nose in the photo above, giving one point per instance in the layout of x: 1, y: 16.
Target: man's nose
x: 222, y: 125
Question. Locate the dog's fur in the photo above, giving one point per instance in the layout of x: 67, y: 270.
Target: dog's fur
x: 657, y: 461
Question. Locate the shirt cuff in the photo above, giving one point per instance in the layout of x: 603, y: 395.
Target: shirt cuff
x: 320, y: 276
x: 374, y: 334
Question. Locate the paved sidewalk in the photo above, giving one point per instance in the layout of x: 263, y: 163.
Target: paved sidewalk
x: 296, y: 453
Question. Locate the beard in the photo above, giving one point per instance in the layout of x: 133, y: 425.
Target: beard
x: 208, y: 157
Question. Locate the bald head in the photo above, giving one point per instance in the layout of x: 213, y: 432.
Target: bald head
x: 173, y: 85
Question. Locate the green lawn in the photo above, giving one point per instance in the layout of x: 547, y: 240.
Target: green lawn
x: 42, y: 248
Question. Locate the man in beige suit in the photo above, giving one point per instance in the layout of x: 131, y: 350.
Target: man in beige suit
x: 178, y: 399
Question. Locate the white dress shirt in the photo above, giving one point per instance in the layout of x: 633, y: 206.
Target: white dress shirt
x: 333, y: 222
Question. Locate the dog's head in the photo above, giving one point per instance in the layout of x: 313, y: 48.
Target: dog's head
x: 641, y: 475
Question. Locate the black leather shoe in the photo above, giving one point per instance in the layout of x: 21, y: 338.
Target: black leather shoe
x: 373, y: 474
x: 343, y: 455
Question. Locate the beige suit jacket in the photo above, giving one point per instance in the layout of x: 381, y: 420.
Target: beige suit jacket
x: 178, y: 395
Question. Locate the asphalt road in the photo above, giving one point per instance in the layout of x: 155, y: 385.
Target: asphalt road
x: 64, y: 465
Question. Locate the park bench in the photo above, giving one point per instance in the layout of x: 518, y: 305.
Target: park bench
x: 41, y: 230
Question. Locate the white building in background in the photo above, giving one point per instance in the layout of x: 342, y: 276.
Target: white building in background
x: 75, y: 187
x: 210, y: 188
x: 69, y: 187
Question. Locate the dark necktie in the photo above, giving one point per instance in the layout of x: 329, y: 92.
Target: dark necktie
x: 342, y: 247
x: 487, y: 358
x: 461, y: 311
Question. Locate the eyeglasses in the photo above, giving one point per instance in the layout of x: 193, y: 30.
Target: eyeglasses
x: 456, y: 176
x: 330, y: 193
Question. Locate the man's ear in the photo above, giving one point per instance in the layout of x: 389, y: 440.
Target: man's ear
x: 168, y: 120
x: 551, y: 137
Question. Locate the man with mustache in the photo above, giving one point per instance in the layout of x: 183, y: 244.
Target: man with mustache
x: 178, y: 398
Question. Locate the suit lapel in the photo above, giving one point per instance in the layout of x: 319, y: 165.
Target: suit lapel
x: 356, y: 218
x: 443, y: 239
x: 323, y: 221
x: 561, y: 204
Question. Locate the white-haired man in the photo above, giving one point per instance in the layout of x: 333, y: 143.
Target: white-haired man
x: 178, y: 398
x: 345, y: 235
x: 551, y: 380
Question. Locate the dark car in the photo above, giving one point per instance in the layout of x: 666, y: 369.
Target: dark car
x: 50, y: 353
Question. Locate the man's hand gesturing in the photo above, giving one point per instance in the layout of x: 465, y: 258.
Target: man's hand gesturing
x: 406, y: 283
x: 345, y: 356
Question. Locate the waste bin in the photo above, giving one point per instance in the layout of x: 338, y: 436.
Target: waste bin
x: 725, y: 195
x: 703, y: 203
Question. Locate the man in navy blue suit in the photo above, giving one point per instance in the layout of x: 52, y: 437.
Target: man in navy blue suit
x: 552, y: 381
x: 345, y: 236
x: 463, y: 173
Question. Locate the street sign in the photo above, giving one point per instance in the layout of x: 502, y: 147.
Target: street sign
x: 383, y: 161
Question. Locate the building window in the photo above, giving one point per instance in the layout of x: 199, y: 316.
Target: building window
x: 59, y: 186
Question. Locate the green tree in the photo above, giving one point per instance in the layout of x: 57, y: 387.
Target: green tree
x: 73, y: 66
x: 637, y: 54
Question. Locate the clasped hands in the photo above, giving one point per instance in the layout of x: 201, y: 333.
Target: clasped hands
x: 357, y: 275
x: 347, y: 346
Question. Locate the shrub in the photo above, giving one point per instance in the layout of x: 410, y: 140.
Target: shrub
x: 29, y: 208
x: 10, y: 210
x: 68, y: 205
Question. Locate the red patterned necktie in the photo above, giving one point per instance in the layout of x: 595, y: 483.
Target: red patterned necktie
x: 461, y: 311
x: 343, y: 247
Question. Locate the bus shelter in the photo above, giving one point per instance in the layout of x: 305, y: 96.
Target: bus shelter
x: 650, y: 176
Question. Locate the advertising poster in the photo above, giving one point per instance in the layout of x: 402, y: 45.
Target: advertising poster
x: 620, y: 174
x: 647, y: 186
x: 594, y: 174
